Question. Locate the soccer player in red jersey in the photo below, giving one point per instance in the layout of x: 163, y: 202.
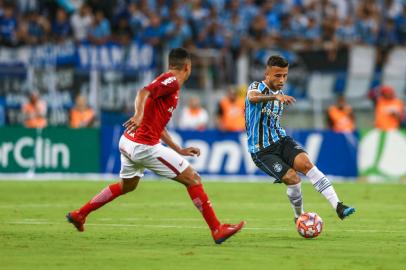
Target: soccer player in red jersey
x: 140, y: 148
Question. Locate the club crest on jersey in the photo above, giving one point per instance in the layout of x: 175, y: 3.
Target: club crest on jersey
x: 277, y: 167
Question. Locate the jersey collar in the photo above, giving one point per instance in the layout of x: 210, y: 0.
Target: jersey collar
x: 273, y: 92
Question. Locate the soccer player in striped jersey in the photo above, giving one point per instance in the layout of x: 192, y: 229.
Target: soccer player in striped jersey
x: 272, y: 150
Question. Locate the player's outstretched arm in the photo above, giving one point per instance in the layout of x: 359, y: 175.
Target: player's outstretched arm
x: 256, y: 97
x: 189, y: 151
x: 134, y: 122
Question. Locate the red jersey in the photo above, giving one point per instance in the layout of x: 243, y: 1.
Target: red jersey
x: 162, y: 101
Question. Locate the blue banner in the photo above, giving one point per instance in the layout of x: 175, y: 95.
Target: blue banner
x: 224, y: 153
x: 136, y: 56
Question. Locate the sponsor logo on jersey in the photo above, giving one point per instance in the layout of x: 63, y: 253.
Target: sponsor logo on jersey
x: 169, y: 80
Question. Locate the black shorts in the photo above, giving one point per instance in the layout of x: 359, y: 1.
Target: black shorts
x: 278, y: 158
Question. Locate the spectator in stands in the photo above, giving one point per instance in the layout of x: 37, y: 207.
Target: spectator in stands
x: 34, y: 112
x: 230, y: 113
x: 346, y: 33
x: 311, y: 34
x: 81, y: 22
x: 61, y: 28
x: 388, y: 35
x: 122, y: 31
x: 81, y: 115
x: 8, y: 26
x: 389, y: 110
x: 401, y: 26
x: 155, y: 32
x: 340, y: 116
x: 258, y: 33
x: 194, y: 116
x: 177, y: 32
x: 137, y: 19
x: 35, y: 29
x: 100, y: 30
x: 367, y: 24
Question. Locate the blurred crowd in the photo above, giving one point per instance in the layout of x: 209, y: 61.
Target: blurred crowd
x: 234, y: 25
x: 230, y: 116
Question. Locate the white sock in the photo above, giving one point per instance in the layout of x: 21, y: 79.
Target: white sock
x: 295, y: 197
x: 323, y: 185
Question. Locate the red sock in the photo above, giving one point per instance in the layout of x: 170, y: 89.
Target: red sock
x: 106, y: 195
x: 200, y: 199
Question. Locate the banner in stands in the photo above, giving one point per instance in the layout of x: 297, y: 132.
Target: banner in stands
x: 137, y: 56
x: 226, y: 153
x: 381, y: 154
x: 49, y: 150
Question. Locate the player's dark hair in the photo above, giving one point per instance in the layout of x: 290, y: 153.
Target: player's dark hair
x: 177, y: 58
x: 277, y: 61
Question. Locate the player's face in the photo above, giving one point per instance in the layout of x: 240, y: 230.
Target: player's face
x: 276, y: 77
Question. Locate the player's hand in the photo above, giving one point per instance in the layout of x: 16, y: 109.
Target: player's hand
x: 133, y: 123
x: 190, y: 151
x: 285, y: 99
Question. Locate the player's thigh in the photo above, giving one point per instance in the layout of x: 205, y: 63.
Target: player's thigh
x: 165, y: 162
x: 130, y: 169
x: 130, y: 166
x: 290, y: 149
x: 271, y: 164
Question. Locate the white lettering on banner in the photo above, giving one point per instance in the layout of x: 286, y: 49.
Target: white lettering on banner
x: 313, y: 145
x: 47, y: 153
x: 221, y: 150
x: 199, y: 163
x: 113, y: 56
x: 250, y: 166
x: 104, y: 57
x: 61, y: 149
x: 4, y: 150
x: 383, y: 155
x: 233, y: 154
x: 368, y: 149
x: 146, y: 56
x: 116, y: 56
x: 39, y: 159
x: 18, y: 152
x: 133, y: 57
x: 83, y: 56
x: 94, y: 59
x: 44, y: 153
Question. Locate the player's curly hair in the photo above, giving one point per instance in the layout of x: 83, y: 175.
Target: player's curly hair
x: 277, y: 61
x: 177, y: 58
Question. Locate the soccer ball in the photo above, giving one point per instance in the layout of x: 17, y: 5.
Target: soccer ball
x: 309, y: 225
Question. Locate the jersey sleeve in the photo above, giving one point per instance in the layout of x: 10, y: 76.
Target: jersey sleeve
x: 163, y: 86
x: 254, y: 87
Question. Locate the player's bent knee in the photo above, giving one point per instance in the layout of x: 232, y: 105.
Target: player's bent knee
x: 189, y: 177
x: 307, y: 166
x: 302, y: 163
x: 291, y: 177
x: 130, y: 184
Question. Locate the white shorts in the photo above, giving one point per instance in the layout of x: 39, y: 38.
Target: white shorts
x: 135, y: 158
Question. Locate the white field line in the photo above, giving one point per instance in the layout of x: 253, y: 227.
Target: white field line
x: 272, y: 229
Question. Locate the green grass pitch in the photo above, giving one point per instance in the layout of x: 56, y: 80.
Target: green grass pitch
x: 157, y: 227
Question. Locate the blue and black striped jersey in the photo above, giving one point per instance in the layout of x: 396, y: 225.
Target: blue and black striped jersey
x: 262, y: 120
